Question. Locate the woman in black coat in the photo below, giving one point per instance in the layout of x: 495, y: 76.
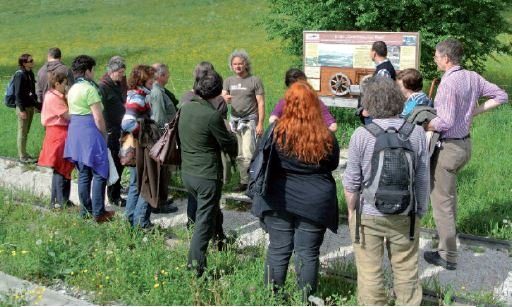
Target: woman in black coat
x: 26, y: 102
x: 300, y: 202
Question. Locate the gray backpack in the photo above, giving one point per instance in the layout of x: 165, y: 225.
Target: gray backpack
x: 391, y: 185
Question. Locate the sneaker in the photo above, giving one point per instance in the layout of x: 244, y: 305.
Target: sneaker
x: 56, y: 206
x: 121, y: 202
x: 435, y: 259
x: 27, y: 160
x: 124, y: 190
x: 106, y: 216
x: 242, y: 187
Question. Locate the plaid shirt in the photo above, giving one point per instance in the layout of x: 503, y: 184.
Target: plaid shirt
x: 456, y: 99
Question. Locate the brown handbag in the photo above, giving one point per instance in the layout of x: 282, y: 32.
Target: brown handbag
x: 166, y: 150
x: 127, y: 151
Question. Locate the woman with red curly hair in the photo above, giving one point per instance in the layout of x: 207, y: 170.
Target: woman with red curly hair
x: 300, y: 202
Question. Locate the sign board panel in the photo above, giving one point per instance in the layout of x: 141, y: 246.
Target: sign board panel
x: 336, y: 62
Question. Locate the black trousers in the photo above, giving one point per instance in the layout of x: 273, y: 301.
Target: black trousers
x: 289, y: 232
x: 218, y: 232
x: 114, y: 191
x: 207, y: 192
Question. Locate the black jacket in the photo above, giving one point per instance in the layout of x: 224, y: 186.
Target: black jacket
x: 307, y: 190
x: 386, y: 65
x: 25, y: 90
x: 113, y: 97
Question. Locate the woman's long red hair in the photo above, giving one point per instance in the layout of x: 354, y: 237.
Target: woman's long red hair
x: 301, y: 130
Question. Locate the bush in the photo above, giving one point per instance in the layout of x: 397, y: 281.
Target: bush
x: 477, y: 23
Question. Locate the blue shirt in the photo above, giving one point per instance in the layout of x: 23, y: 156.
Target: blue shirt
x: 416, y: 99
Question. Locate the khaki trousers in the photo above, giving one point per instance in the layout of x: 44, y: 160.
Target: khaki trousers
x: 446, y: 162
x: 23, y: 130
x: 246, y: 147
x: 391, y: 231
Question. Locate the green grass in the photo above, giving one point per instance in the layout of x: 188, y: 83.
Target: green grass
x: 114, y: 264
x: 182, y: 33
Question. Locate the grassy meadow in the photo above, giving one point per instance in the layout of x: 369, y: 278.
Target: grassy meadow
x: 183, y: 33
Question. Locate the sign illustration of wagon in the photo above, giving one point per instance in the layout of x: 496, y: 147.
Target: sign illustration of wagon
x: 337, y: 62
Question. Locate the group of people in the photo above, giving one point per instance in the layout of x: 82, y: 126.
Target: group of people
x: 84, y: 120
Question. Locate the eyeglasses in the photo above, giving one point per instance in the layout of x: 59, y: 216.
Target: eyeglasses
x: 29, y: 61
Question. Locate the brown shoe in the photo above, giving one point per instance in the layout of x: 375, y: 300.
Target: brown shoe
x: 242, y: 187
x: 106, y: 216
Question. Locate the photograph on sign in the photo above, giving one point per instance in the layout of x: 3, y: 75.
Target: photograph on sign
x: 336, y: 62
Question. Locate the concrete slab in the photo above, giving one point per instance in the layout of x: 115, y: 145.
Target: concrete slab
x: 33, y: 294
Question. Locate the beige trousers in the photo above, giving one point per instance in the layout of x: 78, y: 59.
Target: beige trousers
x: 23, y: 130
x: 391, y: 231
x: 445, y: 164
x: 246, y: 147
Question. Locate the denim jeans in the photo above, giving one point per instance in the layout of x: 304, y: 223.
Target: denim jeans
x: 61, y: 187
x: 137, y: 209
x: 92, y: 201
x: 289, y: 232
x: 207, y: 192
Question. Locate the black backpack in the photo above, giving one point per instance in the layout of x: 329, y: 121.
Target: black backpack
x: 260, y: 165
x: 391, y: 185
x: 10, y: 94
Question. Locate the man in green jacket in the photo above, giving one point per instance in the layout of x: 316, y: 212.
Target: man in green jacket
x: 203, y: 135
x: 163, y: 109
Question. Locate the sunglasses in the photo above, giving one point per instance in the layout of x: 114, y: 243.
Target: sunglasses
x: 29, y: 61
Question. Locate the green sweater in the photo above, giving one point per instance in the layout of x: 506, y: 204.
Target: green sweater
x: 203, y: 135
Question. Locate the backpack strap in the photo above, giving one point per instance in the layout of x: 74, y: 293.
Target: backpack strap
x: 412, y: 215
x: 374, y: 129
x: 357, y: 238
x: 406, y: 130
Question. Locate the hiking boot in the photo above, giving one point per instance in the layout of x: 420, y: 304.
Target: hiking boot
x: 241, y: 188
x: 435, y: 259
x: 165, y: 208
x: 106, y: 216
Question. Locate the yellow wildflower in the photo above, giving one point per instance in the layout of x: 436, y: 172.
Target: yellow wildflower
x: 156, y: 286
x: 24, y: 252
x: 13, y: 253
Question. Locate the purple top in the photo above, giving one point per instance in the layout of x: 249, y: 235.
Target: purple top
x: 328, y: 118
x: 456, y: 99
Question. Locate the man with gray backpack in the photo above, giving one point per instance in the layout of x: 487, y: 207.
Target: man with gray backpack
x: 386, y: 186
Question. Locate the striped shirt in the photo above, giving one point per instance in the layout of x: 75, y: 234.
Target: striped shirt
x: 456, y: 99
x: 358, y: 171
x: 137, y: 105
